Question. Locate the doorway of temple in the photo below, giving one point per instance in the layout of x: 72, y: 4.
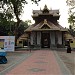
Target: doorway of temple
x: 45, y: 40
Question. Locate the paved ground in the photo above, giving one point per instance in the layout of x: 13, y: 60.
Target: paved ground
x: 40, y: 62
x: 68, y: 59
x: 14, y: 59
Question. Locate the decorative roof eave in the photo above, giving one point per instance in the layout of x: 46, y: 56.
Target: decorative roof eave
x: 45, y: 22
x: 23, y: 36
x: 50, y: 11
x: 54, y: 15
x: 45, y: 29
x: 63, y: 30
x: 28, y: 30
x: 69, y: 36
x: 50, y: 25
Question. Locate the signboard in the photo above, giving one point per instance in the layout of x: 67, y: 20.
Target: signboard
x: 1, y: 43
x: 7, y: 43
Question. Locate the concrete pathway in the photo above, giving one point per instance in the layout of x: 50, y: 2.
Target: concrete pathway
x: 42, y: 62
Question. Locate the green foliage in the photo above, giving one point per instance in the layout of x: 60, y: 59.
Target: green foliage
x: 22, y: 27
x: 3, y: 24
x: 71, y: 4
x: 5, y: 27
x: 71, y: 19
x: 14, y: 8
x: 71, y: 31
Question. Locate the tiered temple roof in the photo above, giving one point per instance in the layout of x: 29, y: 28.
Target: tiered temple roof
x: 45, y: 20
x: 45, y: 11
x: 44, y: 26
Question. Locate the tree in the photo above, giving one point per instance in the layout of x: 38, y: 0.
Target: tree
x: 7, y: 28
x: 15, y: 7
x: 71, y: 4
x: 23, y: 26
x: 71, y: 31
x: 71, y: 19
x: 4, y: 25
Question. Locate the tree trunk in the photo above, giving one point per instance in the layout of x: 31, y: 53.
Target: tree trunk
x: 16, y: 32
x: 17, y: 24
x: 16, y: 35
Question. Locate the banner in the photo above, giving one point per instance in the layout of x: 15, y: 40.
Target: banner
x: 7, y: 43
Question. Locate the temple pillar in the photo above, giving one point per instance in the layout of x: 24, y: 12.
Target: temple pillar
x: 31, y: 37
x: 38, y: 38
x: 52, y: 38
x: 59, y: 36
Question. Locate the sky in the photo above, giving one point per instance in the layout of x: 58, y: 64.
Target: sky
x: 51, y: 4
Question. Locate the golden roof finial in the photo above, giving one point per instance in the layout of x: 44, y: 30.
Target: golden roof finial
x: 45, y: 21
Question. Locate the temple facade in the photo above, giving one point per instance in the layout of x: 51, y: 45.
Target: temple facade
x: 46, y: 32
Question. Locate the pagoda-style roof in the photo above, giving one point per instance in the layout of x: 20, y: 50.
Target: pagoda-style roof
x: 45, y: 26
x: 68, y: 36
x: 45, y: 11
x: 23, y: 36
x: 45, y: 20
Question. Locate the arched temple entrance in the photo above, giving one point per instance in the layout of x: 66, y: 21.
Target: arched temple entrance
x: 45, y: 40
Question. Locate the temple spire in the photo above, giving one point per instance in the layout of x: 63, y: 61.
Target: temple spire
x: 45, y: 7
x: 45, y: 10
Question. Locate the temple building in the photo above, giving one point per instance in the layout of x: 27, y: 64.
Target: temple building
x: 46, y: 32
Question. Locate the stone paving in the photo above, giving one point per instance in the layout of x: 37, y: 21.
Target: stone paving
x: 40, y: 62
x: 14, y: 59
x: 68, y: 59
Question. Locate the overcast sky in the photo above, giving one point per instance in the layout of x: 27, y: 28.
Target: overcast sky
x: 51, y: 4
